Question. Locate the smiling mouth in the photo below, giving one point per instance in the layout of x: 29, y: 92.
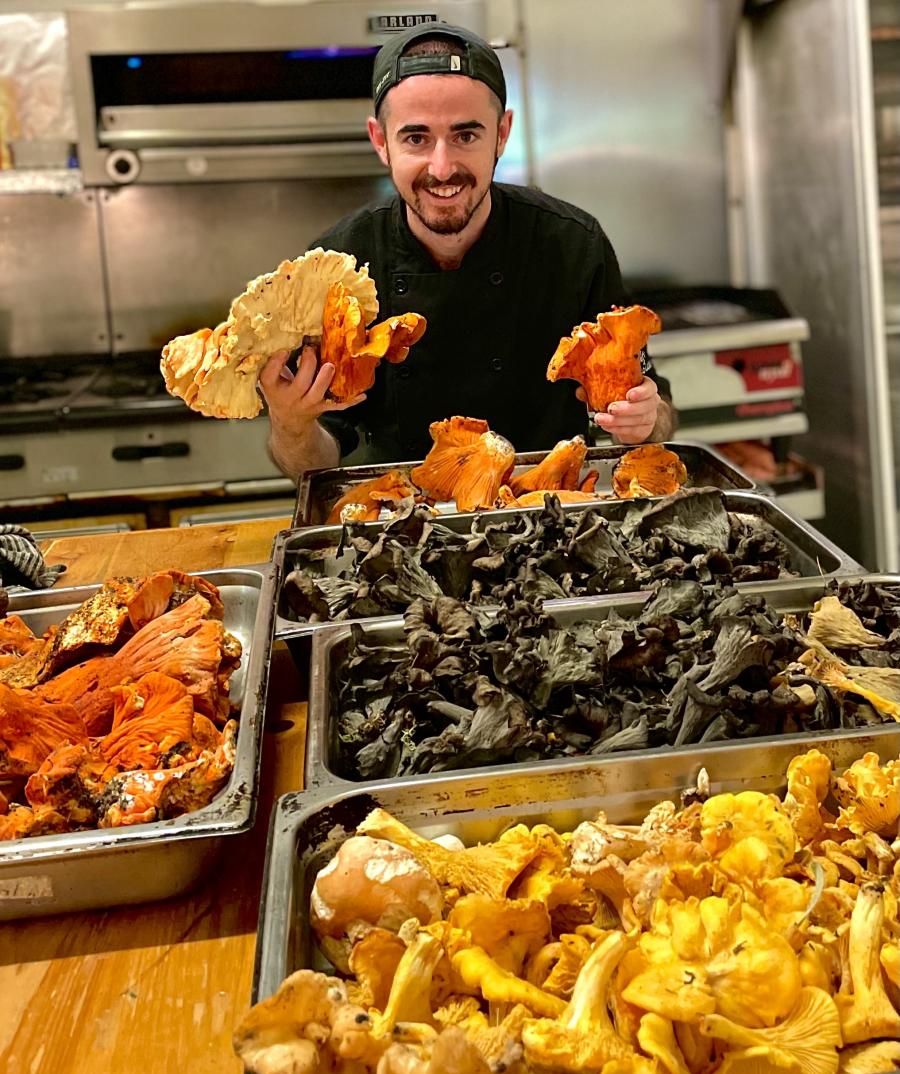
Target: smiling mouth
x: 444, y: 193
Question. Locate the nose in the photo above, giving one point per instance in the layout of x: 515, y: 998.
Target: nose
x: 441, y: 165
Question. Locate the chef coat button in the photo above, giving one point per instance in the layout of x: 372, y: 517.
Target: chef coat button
x: 401, y: 285
x: 404, y: 373
x: 496, y: 278
x: 496, y: 364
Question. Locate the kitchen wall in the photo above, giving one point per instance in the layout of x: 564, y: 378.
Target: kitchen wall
x: 627, y: 104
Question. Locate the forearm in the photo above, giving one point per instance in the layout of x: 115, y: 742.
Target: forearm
x: 313, y: 449
x: 666, y: 423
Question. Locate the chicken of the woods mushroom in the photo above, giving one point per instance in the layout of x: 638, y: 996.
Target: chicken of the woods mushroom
x: 320, y: 296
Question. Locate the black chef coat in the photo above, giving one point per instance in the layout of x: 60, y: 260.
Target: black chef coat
x: 540, y: 267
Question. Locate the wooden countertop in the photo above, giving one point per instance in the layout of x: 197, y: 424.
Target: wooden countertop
x: 153, y: 989
x: 93, y: 557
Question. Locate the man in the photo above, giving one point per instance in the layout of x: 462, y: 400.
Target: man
x: 499, y: 272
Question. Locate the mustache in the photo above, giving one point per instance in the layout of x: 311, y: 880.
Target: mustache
x: 428, y: 182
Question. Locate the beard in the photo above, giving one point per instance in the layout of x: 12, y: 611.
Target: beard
x: 452, y: 219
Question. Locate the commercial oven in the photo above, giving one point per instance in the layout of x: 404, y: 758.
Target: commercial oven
x: 213, y: 92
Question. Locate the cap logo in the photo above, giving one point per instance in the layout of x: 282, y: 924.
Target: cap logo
x: 455, y: 65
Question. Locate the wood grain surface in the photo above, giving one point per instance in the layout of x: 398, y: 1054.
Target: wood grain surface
x: 94, y: 557
x: 154, y: 989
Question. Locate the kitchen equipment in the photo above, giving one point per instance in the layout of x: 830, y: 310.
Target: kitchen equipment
x: 732, y: 357
x: 811, y: 554
x: 307, y: 829
x: 82, y: 430
x: 319, y: 490
x: 330, y: 647
x: 192, y: 93
x: 84, y: 870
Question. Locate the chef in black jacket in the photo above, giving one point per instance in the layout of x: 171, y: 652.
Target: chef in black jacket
x: 499, y: 272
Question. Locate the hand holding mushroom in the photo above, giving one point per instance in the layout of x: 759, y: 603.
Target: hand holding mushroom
x: 604, y: 357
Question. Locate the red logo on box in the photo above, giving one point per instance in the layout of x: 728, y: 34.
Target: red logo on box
x: 764, y: 368
x: 767, y: 408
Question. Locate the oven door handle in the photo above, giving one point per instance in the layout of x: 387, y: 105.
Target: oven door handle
x: 136, y: 452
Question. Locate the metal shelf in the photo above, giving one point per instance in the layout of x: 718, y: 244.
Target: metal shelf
x: 750, y: 429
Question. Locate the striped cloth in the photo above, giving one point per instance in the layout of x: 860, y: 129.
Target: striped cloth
x: 21, y: 563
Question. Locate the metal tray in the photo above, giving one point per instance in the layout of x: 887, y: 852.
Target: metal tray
x: 812, y: 555
x: 307, y: 829
x: 319, y: 490
x: 54, y: 874
x: 329, y: 650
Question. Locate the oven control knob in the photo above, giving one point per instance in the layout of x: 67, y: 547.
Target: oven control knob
x: 123, y: 166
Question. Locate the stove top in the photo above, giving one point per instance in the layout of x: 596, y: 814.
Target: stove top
x: 57, y: 393
x: 712, y: 306
x: 25, y: 383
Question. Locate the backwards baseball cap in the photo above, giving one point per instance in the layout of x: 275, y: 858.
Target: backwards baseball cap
x: 478, y: 61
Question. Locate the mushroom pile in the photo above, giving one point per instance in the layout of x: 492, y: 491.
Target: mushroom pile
x: 736, y: 934
x: 472, y: 466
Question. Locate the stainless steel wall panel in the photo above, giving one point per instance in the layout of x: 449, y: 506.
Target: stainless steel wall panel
x: 890, y: 262
x: 625, y: 99
x: 812, y: 233
x: 178, y: 254
x: 51, y: 283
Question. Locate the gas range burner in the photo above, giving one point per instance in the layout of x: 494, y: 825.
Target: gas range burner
x: 40, y: 386
x: 24, y: 391
x: 87, y: 391
x: 113, y: 385
x: 711, y: 306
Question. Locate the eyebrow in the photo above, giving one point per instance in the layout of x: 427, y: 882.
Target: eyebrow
x: 423, y: 128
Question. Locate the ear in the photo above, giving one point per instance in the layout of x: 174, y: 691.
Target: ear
x: 378, y: 140
x: 503, y: 131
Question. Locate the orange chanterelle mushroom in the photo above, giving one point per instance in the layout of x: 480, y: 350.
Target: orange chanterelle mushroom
x: 355, y: 352
x: 468, y: 463
x: 386, y: 491
x: 604, y: 357
x: 507, y: 498
x: 559, y: 469
x: 650, y: 470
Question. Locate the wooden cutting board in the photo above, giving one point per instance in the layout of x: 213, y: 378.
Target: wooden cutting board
x: 95, y: 557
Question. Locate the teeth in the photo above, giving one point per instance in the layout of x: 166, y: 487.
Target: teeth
x: 445, y: 191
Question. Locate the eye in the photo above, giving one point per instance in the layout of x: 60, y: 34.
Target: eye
x: 414, y: 140
x: 468, y: 137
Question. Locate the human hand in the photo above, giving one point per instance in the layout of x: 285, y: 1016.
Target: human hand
x: 296, y: 401
x: 632, y: 419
